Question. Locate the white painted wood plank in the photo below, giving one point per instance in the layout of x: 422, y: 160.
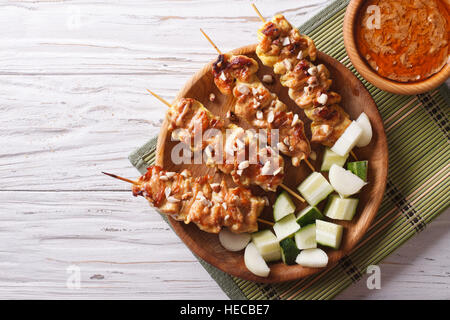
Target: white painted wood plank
x: 417, y: 270
x: 59, y: 133
x: 151, y: 37
x: 115, y: 239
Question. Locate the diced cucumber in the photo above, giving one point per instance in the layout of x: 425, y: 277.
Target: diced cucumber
x: 341, y: 209
x: 330, y: 158
x: 359, y: 168
x: 315, y: 188
x: 289, y: 250
x: 305, y: 238
x: 348, y: 139
x: 328, y: 234
x: 312, y: 258
x: 267, y: 245
x: 283, y: 206
x: 286, y: 227
x: 308, y: 215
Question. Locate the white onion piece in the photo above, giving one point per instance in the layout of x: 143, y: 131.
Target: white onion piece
x: 348, y: 139
x: 312, y: 258
x: 255, y: 262
x: 364, y: 122
x: 344, y: 181
x: 233, y: 241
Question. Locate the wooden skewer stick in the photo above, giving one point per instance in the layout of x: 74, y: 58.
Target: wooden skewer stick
x: 266, y: 222
x: 210, y: 41
x: 293, y: 193
x: 354, y: 155
x: 136, y: 183
x: 258, y: 13
x: 160, y: 99
x: 310, y: 165
x: 121, y: 178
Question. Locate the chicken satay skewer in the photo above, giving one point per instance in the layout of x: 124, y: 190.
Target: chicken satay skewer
x: 293, y: 193
x: 137, y: 183
x: 220, y: 53
x: 264, y: 21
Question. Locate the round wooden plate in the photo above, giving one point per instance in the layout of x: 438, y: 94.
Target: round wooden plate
x: 355, y: 99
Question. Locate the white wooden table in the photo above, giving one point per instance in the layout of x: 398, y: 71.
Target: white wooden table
x: 73, y: 103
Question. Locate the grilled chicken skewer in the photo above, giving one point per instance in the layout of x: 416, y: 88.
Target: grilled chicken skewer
x: 265, y: 171
x: 209, y: 205
x: 236, y: 74
x: 283, y: 48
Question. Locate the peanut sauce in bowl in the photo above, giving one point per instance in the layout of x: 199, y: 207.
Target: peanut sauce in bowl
x: 404, y: 40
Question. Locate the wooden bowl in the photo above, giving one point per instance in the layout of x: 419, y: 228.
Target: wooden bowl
x: 412, y: 88
x: 355, y: 99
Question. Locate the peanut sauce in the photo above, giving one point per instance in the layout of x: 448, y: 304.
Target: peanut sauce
x: 411, y: 41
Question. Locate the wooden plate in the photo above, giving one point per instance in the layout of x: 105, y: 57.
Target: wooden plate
x: 355, y: 99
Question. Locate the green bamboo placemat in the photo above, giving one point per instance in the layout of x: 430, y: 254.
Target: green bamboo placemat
x: 417, y: 190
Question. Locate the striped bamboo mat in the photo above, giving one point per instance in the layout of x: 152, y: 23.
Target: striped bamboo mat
x: 418, y: 185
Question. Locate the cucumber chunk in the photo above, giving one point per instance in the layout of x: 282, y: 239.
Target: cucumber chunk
x: 267, y: 245
x: 305, y: 238
x: 308, y: 215
x: 289, y: 250
x: 315, y: 188
x: 330, y: 158
x: 341, y: 209
x: 312, y: 258
x: 233, y: 241
x: 255, y: 262
x: 359, y: 168
x: 348, y: 139
x: 283, y: 206
x: 286, y: 227
x: 329, y: 234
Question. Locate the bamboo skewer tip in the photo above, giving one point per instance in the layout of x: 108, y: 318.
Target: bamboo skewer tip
x: 258, y: 13
x: 210, y: 41
x: 120, y: 178
x: 354, y: 155
x: 160, y: 98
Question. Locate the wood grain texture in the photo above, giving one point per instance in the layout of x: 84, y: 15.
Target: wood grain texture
x: 73, y: 103
x: 355, y: 99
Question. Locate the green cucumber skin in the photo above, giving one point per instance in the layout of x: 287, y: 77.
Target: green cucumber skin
x: 310, y: 217
x: 359, y: 168
x: 289, y: 250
